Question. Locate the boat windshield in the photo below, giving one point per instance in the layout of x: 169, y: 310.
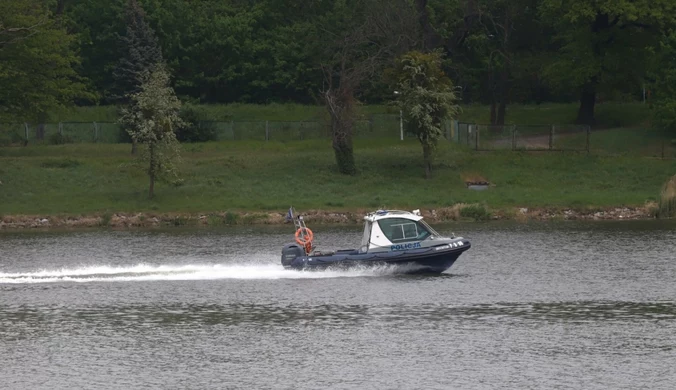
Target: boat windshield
x: 402, y: 229
x: 366, y: 237
x: 429, y: 228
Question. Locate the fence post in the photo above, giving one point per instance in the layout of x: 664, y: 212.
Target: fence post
x: 25, y: 129
x: 267, y: 131
x: 96, y: 132
x: 513, y: 137
x: 476, y: 139
x: 61, y: 128
x: 469, y: 132
x: 551, y: 138
x: 588, y: 136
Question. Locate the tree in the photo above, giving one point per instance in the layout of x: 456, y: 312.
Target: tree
x: 357, y: 40
x: 141, y: 53
x: 664, y: 86
x: 151, y: 118
x: 426, y: 98
x: 37, y: 62
x: 604, y: 44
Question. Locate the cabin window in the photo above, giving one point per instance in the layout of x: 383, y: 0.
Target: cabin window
x: 401, y: 230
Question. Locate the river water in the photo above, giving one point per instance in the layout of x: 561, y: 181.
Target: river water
x: 543, y: 305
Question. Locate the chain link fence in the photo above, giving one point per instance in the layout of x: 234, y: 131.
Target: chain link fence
x: 477, y: 137
x: 524, y: 137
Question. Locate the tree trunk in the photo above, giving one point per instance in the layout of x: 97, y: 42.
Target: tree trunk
x: 502, y: 109
x: 427, y: 158
x: 151, y: 171
x: 585, y: 115
x: 342, y: 146
x: 503, y: 92
x: 340, y: 106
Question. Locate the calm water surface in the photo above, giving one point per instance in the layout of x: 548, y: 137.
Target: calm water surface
x: 551, y: 306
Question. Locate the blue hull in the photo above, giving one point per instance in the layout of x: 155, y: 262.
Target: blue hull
x: 423, y: 260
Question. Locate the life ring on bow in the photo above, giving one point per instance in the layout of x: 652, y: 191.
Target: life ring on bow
x: 304, y: 236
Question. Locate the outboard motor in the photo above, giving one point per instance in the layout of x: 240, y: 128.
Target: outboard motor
x: 291, y: 252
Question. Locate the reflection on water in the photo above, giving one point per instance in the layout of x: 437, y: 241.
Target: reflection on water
x: 580, y: 305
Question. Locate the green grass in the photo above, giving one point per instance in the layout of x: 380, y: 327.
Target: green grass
x: 608, y: 114
x: 80, y: 179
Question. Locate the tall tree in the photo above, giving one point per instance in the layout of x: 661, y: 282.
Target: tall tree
x: 140, y: 53
x: 37, y: 62
x: 426, y: 98
x: 357, y: 39
x: 604, y: 43
x: 151, y: 117
x: 664, y: 85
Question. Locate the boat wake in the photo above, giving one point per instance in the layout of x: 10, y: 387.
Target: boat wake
x: 143, y: 272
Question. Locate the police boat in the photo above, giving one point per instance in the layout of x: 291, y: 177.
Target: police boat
x: 391, y: 238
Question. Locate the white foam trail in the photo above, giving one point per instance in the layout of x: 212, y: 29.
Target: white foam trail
x: 143, y: 272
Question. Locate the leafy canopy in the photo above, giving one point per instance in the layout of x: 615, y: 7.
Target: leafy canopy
x: 150, y: 119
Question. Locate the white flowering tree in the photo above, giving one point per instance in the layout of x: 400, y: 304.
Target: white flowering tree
x: 426, y: 98
x: 150, y: 118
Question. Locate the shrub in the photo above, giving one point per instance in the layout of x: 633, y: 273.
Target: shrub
x: 667, y: 206
x: 476, y: 212
x: 192, y: 129
x: 60, y: 139
x: 60, y: 163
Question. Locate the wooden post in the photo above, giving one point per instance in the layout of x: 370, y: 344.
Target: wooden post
x: 476, y: 139
x: 469, y: 131
x: 25, y: 129
x: 96, y: 132
x: 513, y: 137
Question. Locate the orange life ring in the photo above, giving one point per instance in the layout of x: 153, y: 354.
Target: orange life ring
x: 304, y: 236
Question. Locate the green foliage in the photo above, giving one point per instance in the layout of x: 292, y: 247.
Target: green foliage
x: 665, y: 85
x: 476, y: 212
x: 667, y: 205
x: 193, y: 129
x: 426, y: 98
x: 61, y: 163
x: 105, y: 219
x: 604, y: 45
x: 37, y: 62
x: 141, y: 54
x: 60, y: 139
x: 231, y: 218
x: 150, y: 120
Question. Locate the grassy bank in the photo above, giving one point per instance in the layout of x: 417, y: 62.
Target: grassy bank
x: 86, y: 179
x: 608, y: 114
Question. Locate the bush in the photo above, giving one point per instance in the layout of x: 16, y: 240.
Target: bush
x: 193, y: 130
x: 476, y: 212
x: 667, y: 205
x: 60, y: 139
x: 61, y: 163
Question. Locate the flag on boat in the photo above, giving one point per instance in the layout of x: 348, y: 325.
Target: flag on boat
x: 289, y: 215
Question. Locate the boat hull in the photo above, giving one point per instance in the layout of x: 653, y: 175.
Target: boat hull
x: 424, y: 260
